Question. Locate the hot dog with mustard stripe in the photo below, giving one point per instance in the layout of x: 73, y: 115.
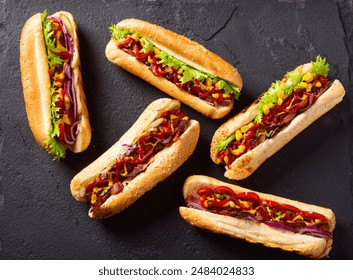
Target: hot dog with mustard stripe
x: 246, y: 140
x: 256, y: 217
x: 160, y: 141
x: 52, y: 83
x: 176, y: 65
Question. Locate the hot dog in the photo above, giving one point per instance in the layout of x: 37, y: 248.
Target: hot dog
x: 156, y: 145
x: 258, y: 217
x: 176, y: 65
x: 52, y: 83
x: 246, y: 140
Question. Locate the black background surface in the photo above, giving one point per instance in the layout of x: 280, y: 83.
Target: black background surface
x: 39, y: 219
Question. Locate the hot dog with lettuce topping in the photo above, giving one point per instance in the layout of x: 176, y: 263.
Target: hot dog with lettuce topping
x: 245, y: 141
x: 52, y: 83
x: 178, y: 66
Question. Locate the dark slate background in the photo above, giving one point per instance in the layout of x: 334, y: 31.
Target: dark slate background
x: 39, y: 219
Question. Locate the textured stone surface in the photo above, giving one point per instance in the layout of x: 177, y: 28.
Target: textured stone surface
x: 39, y: 219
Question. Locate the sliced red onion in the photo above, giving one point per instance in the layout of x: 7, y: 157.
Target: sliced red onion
x: 74, y: 97
x: 70, y: 89
x: 279, y: 225
x: 67, y: 71
x: 131, y: 149
x: 308, y: 230
x: 70, y: 142
x: 312, y: 230
x: 195, y: 205
x: 316, y: 231
x: 253, y: 218
x: 69, y: 42
x: 74, y: 130
x: 166, y: 140
x: 67, y: 88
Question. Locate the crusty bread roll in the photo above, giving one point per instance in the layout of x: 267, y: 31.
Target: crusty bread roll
x: 182, y: 48
x: 36, y: 81
x: 164, y: 163
x: 247, y: 163
x: 255, y: 232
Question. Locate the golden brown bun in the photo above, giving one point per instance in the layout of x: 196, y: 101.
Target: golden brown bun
x: 35, y: 78
x: 185, y: 50
x: 36, y: 81
x: 309, y: 246
x: 164, y: 162
x: 245, y: 165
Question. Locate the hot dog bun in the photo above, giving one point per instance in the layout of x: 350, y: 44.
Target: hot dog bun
x: 183, y: 49
x: 163, y: 165
x: 36, y: 81
x: 254, y: 232
x: 246, y: 164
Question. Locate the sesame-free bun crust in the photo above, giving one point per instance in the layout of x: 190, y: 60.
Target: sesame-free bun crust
x: 309, y: 246
x: 245, y: 165
x: 186, y: 50
x: 36, y: 81
x: 163, y: 165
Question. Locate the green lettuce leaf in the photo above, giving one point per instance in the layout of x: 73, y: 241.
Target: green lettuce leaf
x: 269, y: 97
x: 48, y: 31
x: 54, y: 111
x: 189, y: 72
x: 44, y: 15
x: 148, y: 46
x: 169, y: 60
x: 229, y: 89
x: 296, y: 78
x: 118, y: 33
x: 55, y: 148
x: 320, y: 67
x: 222, y: 145
x: 54, y: 60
